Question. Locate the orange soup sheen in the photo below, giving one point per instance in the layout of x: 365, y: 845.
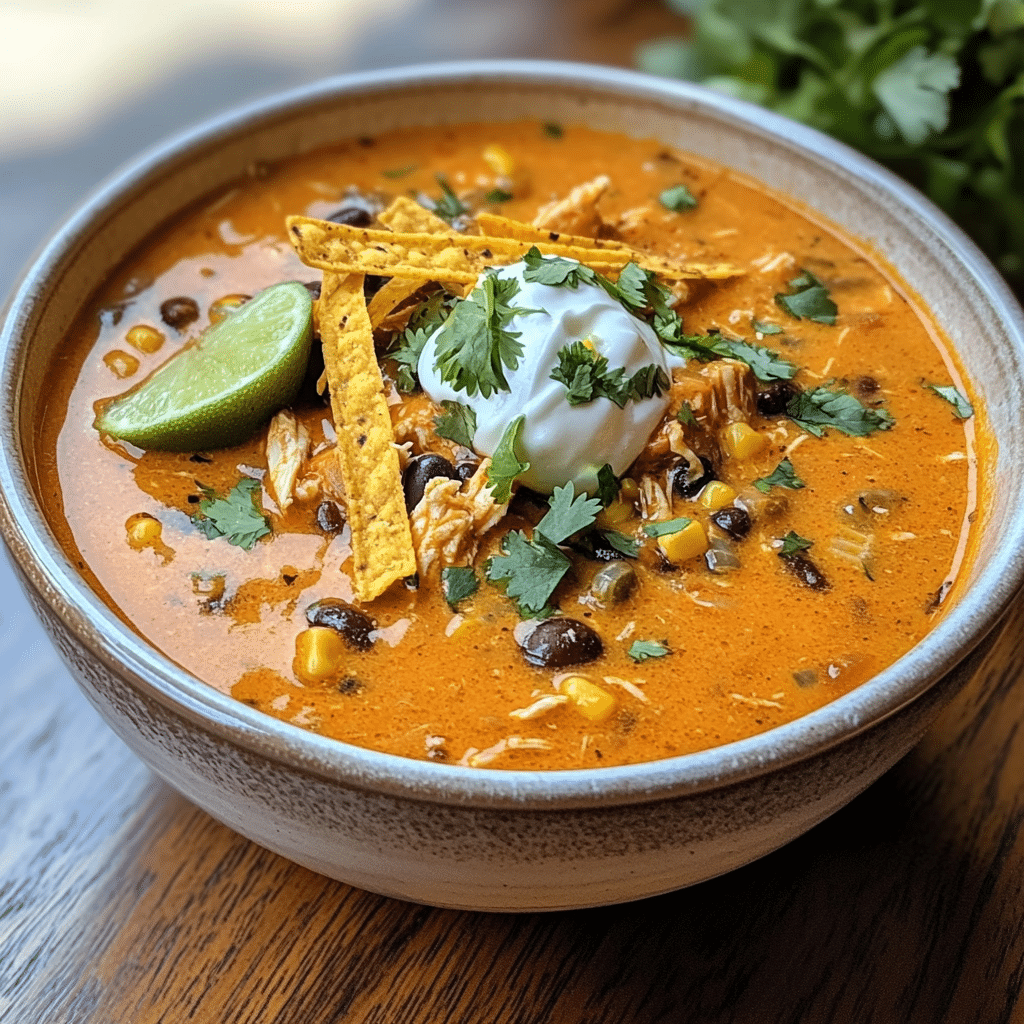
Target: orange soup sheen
x: 786, y: 594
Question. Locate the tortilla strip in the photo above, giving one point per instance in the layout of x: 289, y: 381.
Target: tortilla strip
x: 454, y: 257
x: 391, y: 293
x: 407, y: 217
x: 381, y: 539
x: 496, y: 226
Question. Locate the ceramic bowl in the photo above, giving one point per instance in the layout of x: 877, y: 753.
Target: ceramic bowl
x: 480, y: 838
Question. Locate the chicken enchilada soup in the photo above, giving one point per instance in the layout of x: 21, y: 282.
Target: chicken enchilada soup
x: 515, y: 445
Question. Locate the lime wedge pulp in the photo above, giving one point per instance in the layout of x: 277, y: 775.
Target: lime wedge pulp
x: 217, y: 392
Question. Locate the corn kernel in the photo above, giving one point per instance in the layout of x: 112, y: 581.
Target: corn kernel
x: 689, y: 542
x: 121, y: 364
x: 226, y: 304
x: 143, y: 530
x: 615, y: 514
x: 741, y: 441
x: 144, y: 338
x: 629, y: 489
x: 499, y: 160
x: 590, y: 700
x: 716, y: 495
x: 319, y: 654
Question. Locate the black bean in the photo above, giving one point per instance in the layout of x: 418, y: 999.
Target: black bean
x: 372, y: 283
x: 355, y: 215
x: 356, y: 627
x: 557, y: 643
x: 420, y: 471
x: 806, y: 572
x: 773, y: 398
x: 688, y: 481
x: 313, y: 287
x: 350, y: 685
x: 329, y: 517
x: 179, y: 312
x: 734, y: 520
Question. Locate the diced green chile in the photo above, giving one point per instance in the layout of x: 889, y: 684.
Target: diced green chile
x: 614, y: 583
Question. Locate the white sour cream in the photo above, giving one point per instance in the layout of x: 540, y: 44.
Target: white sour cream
x: 560, y: 441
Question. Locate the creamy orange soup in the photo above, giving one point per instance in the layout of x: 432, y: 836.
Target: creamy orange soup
x: 699, y: 641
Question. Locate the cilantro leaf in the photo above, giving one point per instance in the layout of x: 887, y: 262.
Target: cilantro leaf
x: 449, y: 206
x: 915, y: 92
x: 556, y: 270
x: 685, y: 415
x: 586, y: 376
x: 666, y: 526
x: 641, y: 650
x: 784, y: 475
x: 607, y: 485
x: 236, y: 517
x: 677, y: 198
x: 475, y: 344
x: 793, y: 543
x: 765, y: 327
x: 809, y: 300
x: 458, y: 423
x: 553, y: 130
x: 505, y: 465
x: 822, y: 407
x: 458, y: 583
x: 497, y: 195
x: 767, y: 364
x: 530, y: 569
x: 426, y: 319
x: 399, y: 172
x: 567, y: 514
x: 621, y: 542
x: 961, y: 406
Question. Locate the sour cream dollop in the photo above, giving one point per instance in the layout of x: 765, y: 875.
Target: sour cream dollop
x: 562, y: 442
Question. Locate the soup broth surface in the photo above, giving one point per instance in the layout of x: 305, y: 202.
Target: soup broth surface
x: 725, y: 650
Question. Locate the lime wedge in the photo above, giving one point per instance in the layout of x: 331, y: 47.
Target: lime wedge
x: 217, y: 392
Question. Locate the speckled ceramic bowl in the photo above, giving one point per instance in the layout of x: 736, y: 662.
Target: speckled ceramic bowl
x: 481, y: 838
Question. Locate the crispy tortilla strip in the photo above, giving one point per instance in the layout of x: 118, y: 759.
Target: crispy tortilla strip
x: 462, y: 258
x: 407, y: 217
x: 496, y: 226
x: 395, y: 291
x: 381, y: 539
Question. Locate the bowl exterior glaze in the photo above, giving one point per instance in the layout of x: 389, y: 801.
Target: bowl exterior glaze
x: 486, y: 839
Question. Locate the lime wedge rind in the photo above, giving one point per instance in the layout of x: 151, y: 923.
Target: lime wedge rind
x: 219, y: 391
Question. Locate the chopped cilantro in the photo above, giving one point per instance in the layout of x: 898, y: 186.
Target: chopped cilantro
x: 666, y: 526
x: 505, y: 465
x: 766, y: 364
x: 961, y: 406
x: 556, y: 270
x: 784, y: 475
x: 607, y: 485
x: 399, y: 172
x: 457, y: 423
x: 822, y: 407
x: 793, y: 543
x: 531, y: 568
x: 764, y: 327
x: 568, y: 514
x: 426, y: 319
x: 475, y: 342
x: 641, y: 650
x: 586, y: 376
x: 677, y: 198
x: 621, y: 542
x: 458, y: 582
x: 809, y: 300
x: 497, y: 195
x: 449, y: 206
x: 552, y: 129
x: 685, y: 415
x: 236, y: 517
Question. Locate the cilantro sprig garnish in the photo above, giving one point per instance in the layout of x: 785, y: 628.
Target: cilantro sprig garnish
x: 475, y: 345
x: 449, y: 206
x: 621, y: 542
x: 821, y: 407
x: 459, y: 582
x: 238, y: 517
x: 587, y: 376
x: 505, y: 463
x: 677, y: 198
x: 766, y: 364
x: 557, y: 271
x: 607, y: 485
x: 808, y: 300
x: 426, y: 319
x: 793, y: 544
x: 666, y: 526
x: 784, y: 475
x: 530, y: 568
x: 457, y: 423
x: 961, y: 406
x: 641, y: 650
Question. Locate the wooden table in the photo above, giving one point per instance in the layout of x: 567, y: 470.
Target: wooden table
x: 120, y: 902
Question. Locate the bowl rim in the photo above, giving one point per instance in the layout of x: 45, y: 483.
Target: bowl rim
x: 68, y: 596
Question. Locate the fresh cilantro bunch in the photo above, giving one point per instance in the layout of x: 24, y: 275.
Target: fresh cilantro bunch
x: 933, y: 89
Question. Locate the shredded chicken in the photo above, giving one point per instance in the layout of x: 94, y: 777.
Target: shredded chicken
x: 287, y: 447
x: 321, y: 478
x: 655, y: 500
x: 474, y: 758
x: 577, y: 213
x: 450, y: 519
x: 718, y: 393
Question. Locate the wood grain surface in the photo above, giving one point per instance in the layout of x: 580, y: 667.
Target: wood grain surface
x: 119, y: 901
